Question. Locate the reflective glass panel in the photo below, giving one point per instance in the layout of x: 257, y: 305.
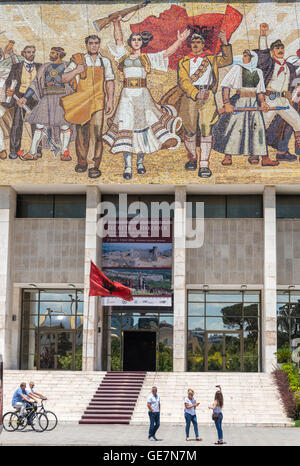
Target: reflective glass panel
x: 30, y: 295
x: 196, y: 323
x: 250, y: 324
x: 64, y: 352
x: 232, y: 352
x: 283, y: 331
x: 295, y: 328
x: 69, y: 206
x: 195, y: 364
x: 295, y: 309
x: 226, y: 323
x: 282, y: 309
x: 214, y: 351
x: 195, y: 296
x: 224, y: 296
x: 195, y: 342
x: 224, y: 309
x: 244, y: 206
x: 196, y: 309
x: 251, y: 310
x: 47, y: 345
x: 57, y: 295
x: 51, y: 307
x: 251, y: 297
x: 282, y: 296
x: 294, y: 297
x: 115, y: 352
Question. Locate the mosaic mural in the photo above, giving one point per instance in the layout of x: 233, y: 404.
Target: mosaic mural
x: 153, y: 92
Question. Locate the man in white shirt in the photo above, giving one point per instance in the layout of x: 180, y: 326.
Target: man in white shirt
x: 91, y: 76
x: 33, y: 394
x: 153, y: 404
x: 279, y: 76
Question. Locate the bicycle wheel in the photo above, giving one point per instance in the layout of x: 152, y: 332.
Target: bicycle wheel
x: 39, y: 422
x: 22, y: 423
x: 52, y: 418
x: 10, y: 421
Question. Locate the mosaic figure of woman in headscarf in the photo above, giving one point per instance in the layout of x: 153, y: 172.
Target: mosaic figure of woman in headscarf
x: 243, y: 132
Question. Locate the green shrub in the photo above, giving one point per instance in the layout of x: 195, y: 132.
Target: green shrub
x: 284, y: 354
x: 292, y: 372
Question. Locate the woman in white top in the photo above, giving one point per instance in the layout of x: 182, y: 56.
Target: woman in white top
x: 243, y: 133
x: 190, y: 405
x: 140, y: 126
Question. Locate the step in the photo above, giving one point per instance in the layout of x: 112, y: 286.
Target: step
x: 108, y: 411
x: 122, y: 382
x: 117, y: 392
x: 101, y: 421
x: 106, y: 416
x: 121, y: 396
x: 120, y: 402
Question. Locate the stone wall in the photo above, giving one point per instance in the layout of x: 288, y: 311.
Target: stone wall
x: 232, y: 253
x: 288, y: 251
x: 48, y: 250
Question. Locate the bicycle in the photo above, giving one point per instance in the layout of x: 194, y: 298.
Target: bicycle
x: 13, y: 421
x: 52, y: 418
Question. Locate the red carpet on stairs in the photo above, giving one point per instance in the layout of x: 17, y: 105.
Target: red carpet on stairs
x: 115, y: 399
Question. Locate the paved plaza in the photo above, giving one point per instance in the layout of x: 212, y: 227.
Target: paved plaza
x: 71, y: 434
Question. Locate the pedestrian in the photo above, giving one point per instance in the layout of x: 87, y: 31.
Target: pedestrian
x: 190, y: 405
x: 153, y: 403
x: 217, y: 415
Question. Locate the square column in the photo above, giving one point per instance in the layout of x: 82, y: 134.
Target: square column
x: 179, y: 282
x: 269, y: 317
x: 90, y: 351
x: 7, y: 215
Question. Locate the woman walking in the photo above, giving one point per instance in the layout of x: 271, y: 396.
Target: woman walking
x: 217, y: 415
x: 190, y: 406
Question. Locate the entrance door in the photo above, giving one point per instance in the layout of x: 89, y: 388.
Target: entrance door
x: 139, y: 351
x: 55, y: 350
x: 223, y: 351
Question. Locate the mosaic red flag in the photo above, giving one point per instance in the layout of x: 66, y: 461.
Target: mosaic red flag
x: 164, y: 29
x: 100, y: 285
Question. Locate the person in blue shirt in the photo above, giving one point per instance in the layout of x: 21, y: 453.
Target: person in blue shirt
x: 20, y: 399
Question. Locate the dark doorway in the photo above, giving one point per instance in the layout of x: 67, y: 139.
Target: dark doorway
x: 139, y: 351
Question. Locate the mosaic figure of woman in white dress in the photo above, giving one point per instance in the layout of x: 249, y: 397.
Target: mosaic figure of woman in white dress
x: 140, y: 126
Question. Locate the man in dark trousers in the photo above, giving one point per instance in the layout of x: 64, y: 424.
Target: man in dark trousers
x: 279, y: 76
x: 17, y: 82
x: 153, y: 404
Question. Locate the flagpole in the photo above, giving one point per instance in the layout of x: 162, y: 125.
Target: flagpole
x: 87, y: 331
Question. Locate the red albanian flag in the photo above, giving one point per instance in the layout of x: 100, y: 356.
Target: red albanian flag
x: 165, y: 27
x: 100, y: 285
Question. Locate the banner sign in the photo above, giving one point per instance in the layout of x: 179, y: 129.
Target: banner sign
x: 145, y: 266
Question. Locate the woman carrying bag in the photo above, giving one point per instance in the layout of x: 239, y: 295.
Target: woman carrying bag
x: 217, y: 415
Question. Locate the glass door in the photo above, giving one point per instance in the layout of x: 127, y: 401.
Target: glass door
x: 223, y: 351
x: 233, y: 358
x: 56, y: 350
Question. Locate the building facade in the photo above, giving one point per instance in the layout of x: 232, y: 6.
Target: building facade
x: 234, y: 299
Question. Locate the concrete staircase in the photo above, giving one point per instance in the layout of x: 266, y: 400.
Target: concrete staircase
x: 115, y: 399
x: 68, y: 392
x: 249, y: 398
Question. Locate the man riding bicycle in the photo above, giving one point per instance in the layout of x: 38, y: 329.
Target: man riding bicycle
x: 21, y: 400
x: 33, y: 394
